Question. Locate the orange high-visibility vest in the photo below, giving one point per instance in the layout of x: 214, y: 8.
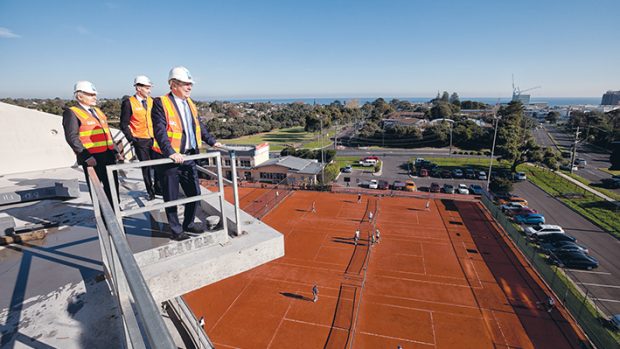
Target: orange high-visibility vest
x: 174, y: 125
x: 94, y: 134
x: 140, y: 123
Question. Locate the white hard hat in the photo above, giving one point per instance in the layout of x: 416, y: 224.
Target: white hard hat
x: 181, y: 74
x: 84, y: 86
x: 142, y: 80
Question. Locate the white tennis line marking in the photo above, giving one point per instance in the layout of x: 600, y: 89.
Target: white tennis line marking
x: 599, y: 285
x: 279, y: 325
x: 400, y: 339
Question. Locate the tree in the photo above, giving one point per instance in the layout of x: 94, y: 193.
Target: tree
x: 454, y: 99
x: 552, y: 117
x: 445, y: 96
x: 551, y: 158
x: 514, y: 139
x: 614, y: 158
x: 500, y: 185
x: 441, y: 111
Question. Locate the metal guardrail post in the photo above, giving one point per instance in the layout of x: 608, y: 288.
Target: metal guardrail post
x: 233, y: 164
x: 220, y: 187
x: 133, y: 295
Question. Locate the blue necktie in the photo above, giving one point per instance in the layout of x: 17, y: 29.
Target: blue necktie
x: 189, y: 130
x: 92, y: 111
x: 144, y: 103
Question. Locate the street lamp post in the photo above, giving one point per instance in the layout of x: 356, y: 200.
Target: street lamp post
x: 492, y: 152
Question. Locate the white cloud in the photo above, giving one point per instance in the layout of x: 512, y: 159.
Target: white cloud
x: 6, y: 33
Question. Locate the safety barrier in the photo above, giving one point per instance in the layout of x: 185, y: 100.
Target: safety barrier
x: 574, y: 299
x: 143, y: 324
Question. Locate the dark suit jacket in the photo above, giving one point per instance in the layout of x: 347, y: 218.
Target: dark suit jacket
x: 161, y: 135
x: 71, y: 125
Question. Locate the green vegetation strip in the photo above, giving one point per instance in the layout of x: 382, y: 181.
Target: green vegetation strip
x: 598, y: 211
x: 604, y: 191
x: 281, y: 138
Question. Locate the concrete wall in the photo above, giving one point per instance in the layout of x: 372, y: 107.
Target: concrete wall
x: 31, y: 140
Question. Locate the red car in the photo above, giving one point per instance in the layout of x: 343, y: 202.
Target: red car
x: 521, y: 211
x: 423, y: 172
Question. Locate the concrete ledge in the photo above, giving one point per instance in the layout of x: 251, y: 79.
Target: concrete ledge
x: 186, y: 272
x: 175, y: 248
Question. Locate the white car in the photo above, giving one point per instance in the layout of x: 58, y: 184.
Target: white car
x: 519, y: 176
x: 462, y: 189
x: 482, y: 176
x: 373, y: 184
x: 543, y: 229
x: 511, y: 206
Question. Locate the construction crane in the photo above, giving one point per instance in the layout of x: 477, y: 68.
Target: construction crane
x: 517, y: 93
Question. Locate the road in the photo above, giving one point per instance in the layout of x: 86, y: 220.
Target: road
x: 603, y: 282
x: 595, y: 157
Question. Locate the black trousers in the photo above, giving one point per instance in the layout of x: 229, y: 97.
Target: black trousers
x: 142, y: 147
x: 170, y: 177
x: 103, y: 159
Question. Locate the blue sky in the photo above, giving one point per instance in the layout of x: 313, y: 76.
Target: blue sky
x: 312, y: 48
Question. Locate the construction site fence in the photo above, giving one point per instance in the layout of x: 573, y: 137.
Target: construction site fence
x: 574, y: 299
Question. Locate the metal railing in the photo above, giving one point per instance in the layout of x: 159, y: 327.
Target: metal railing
x: 574, y: 299
x: 219, y: 194
x: 143, y: 324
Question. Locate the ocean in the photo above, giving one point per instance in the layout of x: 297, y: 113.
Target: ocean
x: 551, y: 101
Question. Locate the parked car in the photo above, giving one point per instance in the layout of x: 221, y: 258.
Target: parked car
x: 347, y: 169
x: 398, y: 185
x: 562, y: 246
x: 504, y: 199
x: 581, y: 163
x: 567, y: 167
x: 543, y: 229
x: 511, y: 206
x: 482, y: 176
x: 457, y: 173
x: 445, y: 173
x: 555, y: 237
x: 614, y: 322
x: 436, y: 172
x: 423, y: 172
x: 470, y: 173
x: 410, y: 186
x: 521, y: 211
x: 475, y: 189
x: 383, y: 185
x: 448, y: 188
x: 373, y: 184
x: 574, y: 259
x: 434, y: 188
x: 519, y: 176
x: 368, y: 163
x: 419, y: 161
x: 530, y: 219
x: 610, y: 183
x: 462, y: 189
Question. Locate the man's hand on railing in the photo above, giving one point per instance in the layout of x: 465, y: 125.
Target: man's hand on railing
x: 177, y: 158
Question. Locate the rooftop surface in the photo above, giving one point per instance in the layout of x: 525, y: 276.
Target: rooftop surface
x: 445, y: 277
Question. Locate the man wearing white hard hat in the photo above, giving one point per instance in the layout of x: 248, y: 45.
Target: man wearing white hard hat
x: 178, y: 132
x: 137, y: 127
x: 88, y: 135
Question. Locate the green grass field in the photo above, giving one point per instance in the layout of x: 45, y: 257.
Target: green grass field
x: 281, y: 138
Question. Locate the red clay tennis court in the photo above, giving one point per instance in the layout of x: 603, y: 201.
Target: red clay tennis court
x: 438, y: 278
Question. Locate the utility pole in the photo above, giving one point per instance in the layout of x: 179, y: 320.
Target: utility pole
x: 450, y: 155
x: 322, y: 154
x: 572, y: 159
x: 492, y: 152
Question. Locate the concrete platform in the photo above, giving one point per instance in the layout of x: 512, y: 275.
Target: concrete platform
x: 51, y: 294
